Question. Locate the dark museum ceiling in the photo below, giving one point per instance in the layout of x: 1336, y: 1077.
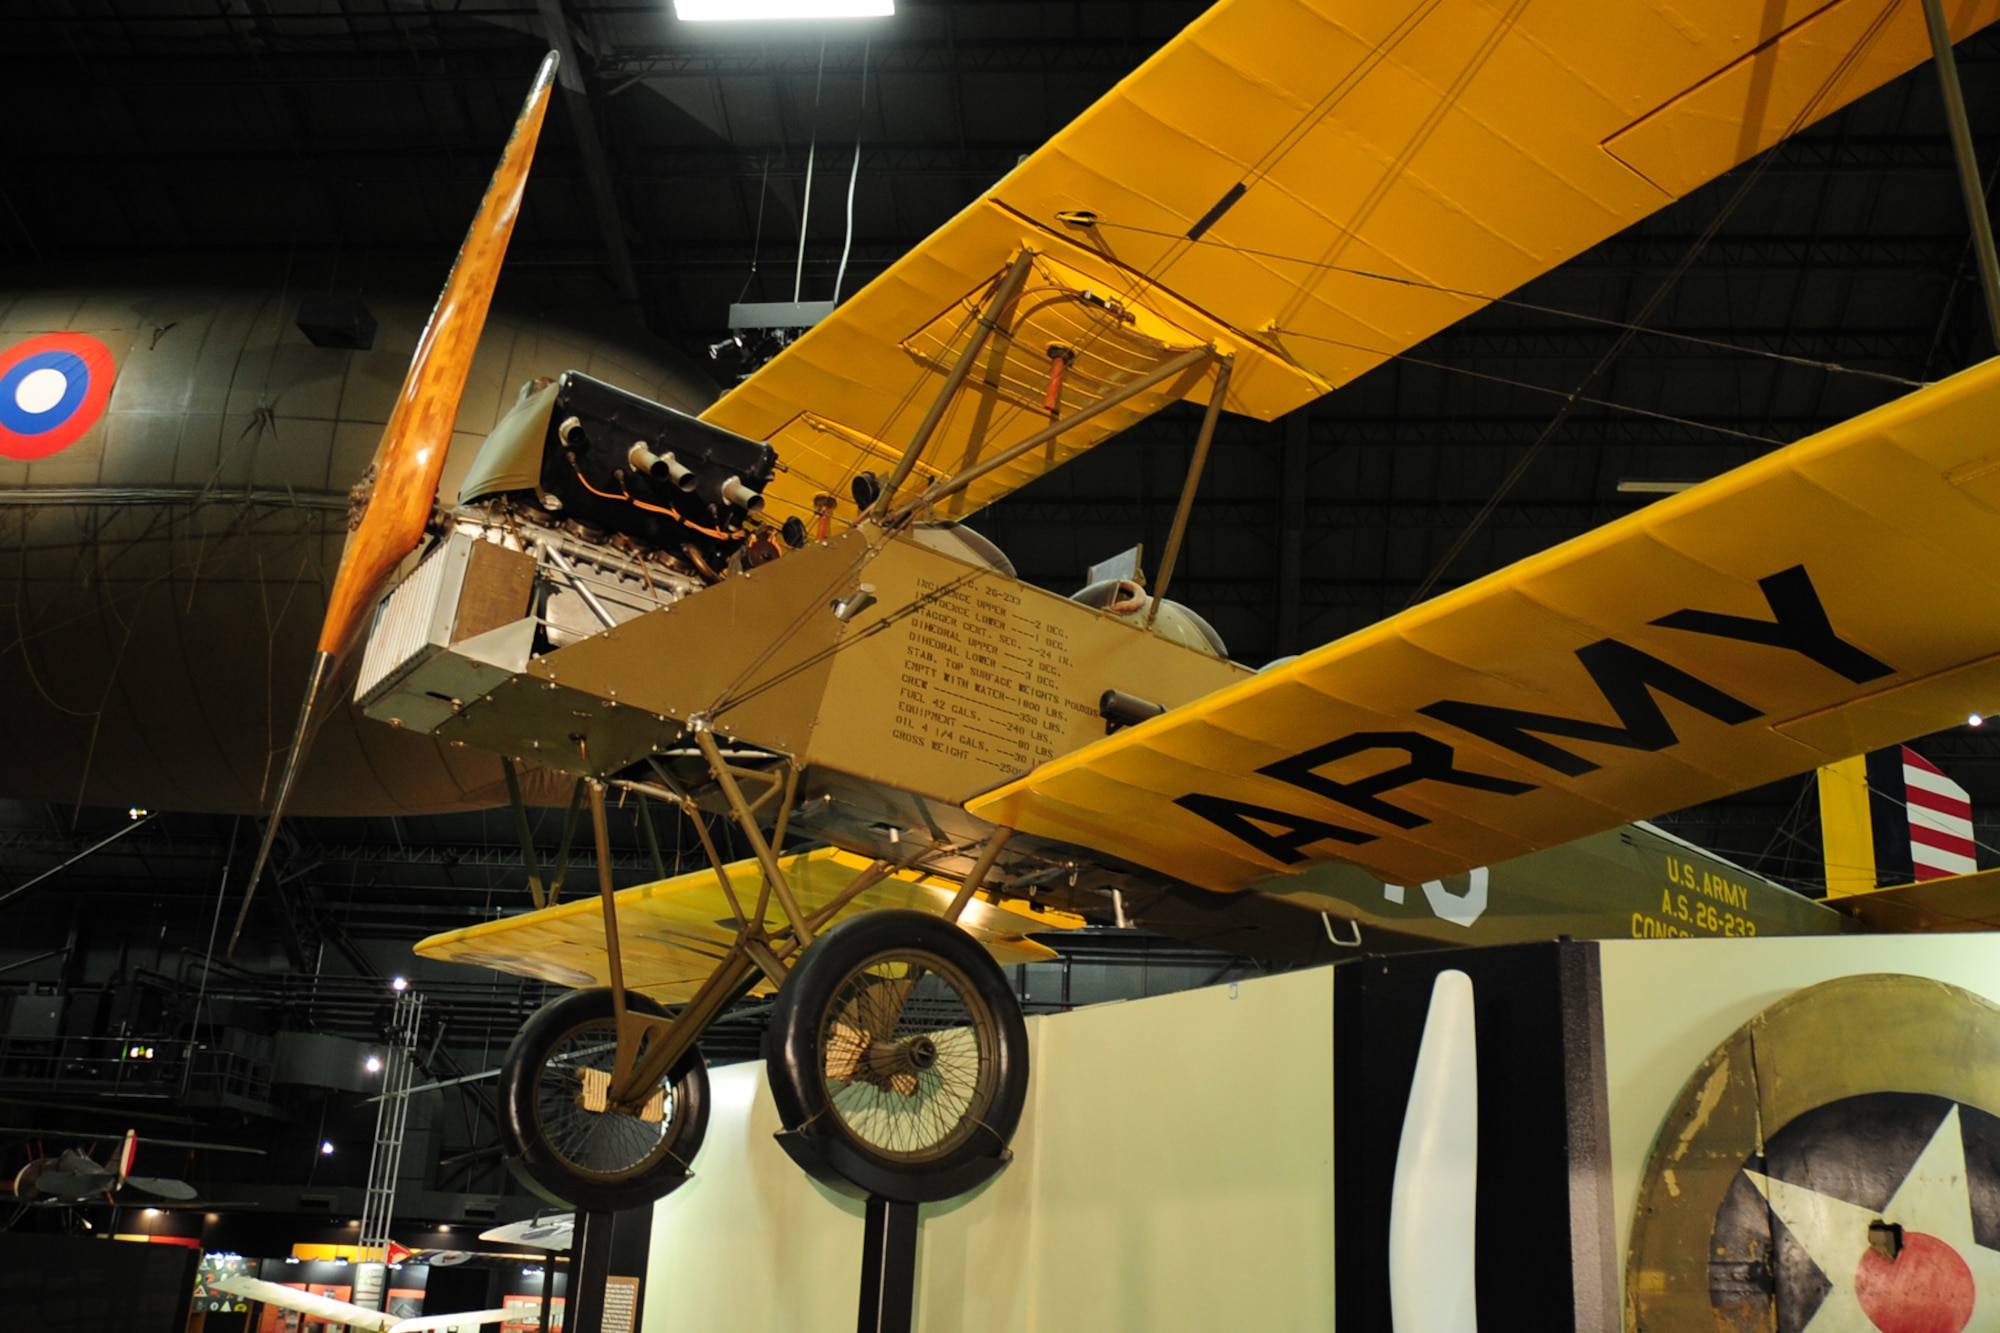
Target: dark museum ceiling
x: 278, y: 132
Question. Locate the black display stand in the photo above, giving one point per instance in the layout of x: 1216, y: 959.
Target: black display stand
x: 888, y: 1267
x: 606, y: 1245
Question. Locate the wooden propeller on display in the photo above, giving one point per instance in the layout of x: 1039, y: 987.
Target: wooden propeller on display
x: 400, y: 487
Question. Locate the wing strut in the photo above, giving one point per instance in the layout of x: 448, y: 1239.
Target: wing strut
x: 1968, y: 163
x: 400, y: 488
x: 1186, y: 361
x: 1193, y: 483
x: 989, y: 319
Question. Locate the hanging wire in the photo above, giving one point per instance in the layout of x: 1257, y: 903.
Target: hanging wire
x: 812, y: 149
x: 861, y: 120
x: 757, y: 233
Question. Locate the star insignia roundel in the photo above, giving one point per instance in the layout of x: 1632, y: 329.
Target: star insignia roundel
x: 1833, y: 1168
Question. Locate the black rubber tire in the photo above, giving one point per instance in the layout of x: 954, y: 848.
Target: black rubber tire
x: 632, y: 1166
x: 914, y: 1135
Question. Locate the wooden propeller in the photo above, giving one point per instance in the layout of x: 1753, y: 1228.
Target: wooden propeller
x: 400, y: 487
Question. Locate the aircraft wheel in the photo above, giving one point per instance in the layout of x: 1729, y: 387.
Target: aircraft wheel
x: 898, y: 1058
x: 596, y: 1160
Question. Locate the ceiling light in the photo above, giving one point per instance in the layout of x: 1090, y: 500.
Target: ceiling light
x: 399, y: 985
x: 326, y: 1148
x: 704, y: 11
x: 1974, y: 720
x: 374, y: 1064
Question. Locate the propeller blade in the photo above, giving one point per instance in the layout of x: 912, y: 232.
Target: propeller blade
x: 325, y: 1308
x: 400, y: 487
x: 27, y: 1179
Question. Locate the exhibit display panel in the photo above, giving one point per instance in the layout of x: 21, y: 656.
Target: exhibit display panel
x: 1173, y: 1171
x: 1804, y: 1132
x: 1807, y: 1132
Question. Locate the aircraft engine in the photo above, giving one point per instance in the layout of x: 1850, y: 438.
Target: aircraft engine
x: 606, y: 465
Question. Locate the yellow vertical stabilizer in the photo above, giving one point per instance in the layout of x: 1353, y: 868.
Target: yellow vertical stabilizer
x: 1847, y: 837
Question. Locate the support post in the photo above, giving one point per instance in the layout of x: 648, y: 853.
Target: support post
x: 590, y: 1264
x: 989, y: 320
x: 548, y: 1291
x: 1968, y: 163
x: 888, y: 1267
x: 607, y: 1249
x: 1188, y: 488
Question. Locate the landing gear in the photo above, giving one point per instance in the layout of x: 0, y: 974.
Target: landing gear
x: 557, y: 1118
x: 898, y: 1058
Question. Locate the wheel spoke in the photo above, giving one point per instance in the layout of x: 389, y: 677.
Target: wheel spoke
x: 892, y: 1101
x: 610, y: 1145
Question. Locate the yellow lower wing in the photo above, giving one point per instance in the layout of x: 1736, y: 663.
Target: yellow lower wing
x: 672, y: 933
x: 1961, y: 902
x: 1832, y: 597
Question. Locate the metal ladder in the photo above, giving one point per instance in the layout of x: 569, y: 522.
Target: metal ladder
x: 392, y: 1113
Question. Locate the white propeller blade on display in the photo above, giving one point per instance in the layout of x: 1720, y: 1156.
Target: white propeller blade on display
x: 341, y: 1312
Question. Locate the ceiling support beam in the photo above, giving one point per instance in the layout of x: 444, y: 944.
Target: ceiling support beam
x: 1968, y: 164
x: 596, y: 166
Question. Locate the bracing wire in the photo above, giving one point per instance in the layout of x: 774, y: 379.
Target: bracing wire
x: 1533, y: 307
x: 1653, y: 303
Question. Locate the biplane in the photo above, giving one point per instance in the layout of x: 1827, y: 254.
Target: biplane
x: 774, y: 613
x: 74, y: 1177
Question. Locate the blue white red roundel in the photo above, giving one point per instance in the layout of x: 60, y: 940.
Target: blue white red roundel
x: 53, y: 388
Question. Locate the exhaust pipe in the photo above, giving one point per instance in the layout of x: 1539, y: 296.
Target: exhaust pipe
x: 736, y: 493
x: 661, y: 467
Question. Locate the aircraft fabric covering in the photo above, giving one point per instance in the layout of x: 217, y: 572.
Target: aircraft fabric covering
x: 1832, y: 597
x: 1312, y: 186
x: 671, y: 934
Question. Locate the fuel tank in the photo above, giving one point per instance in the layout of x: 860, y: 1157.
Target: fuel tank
x: 176, y: 455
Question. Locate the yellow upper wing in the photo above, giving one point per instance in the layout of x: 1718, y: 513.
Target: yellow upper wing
x: 672, y: 933
x: 1313, y: 186
x: 1840, y: 594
